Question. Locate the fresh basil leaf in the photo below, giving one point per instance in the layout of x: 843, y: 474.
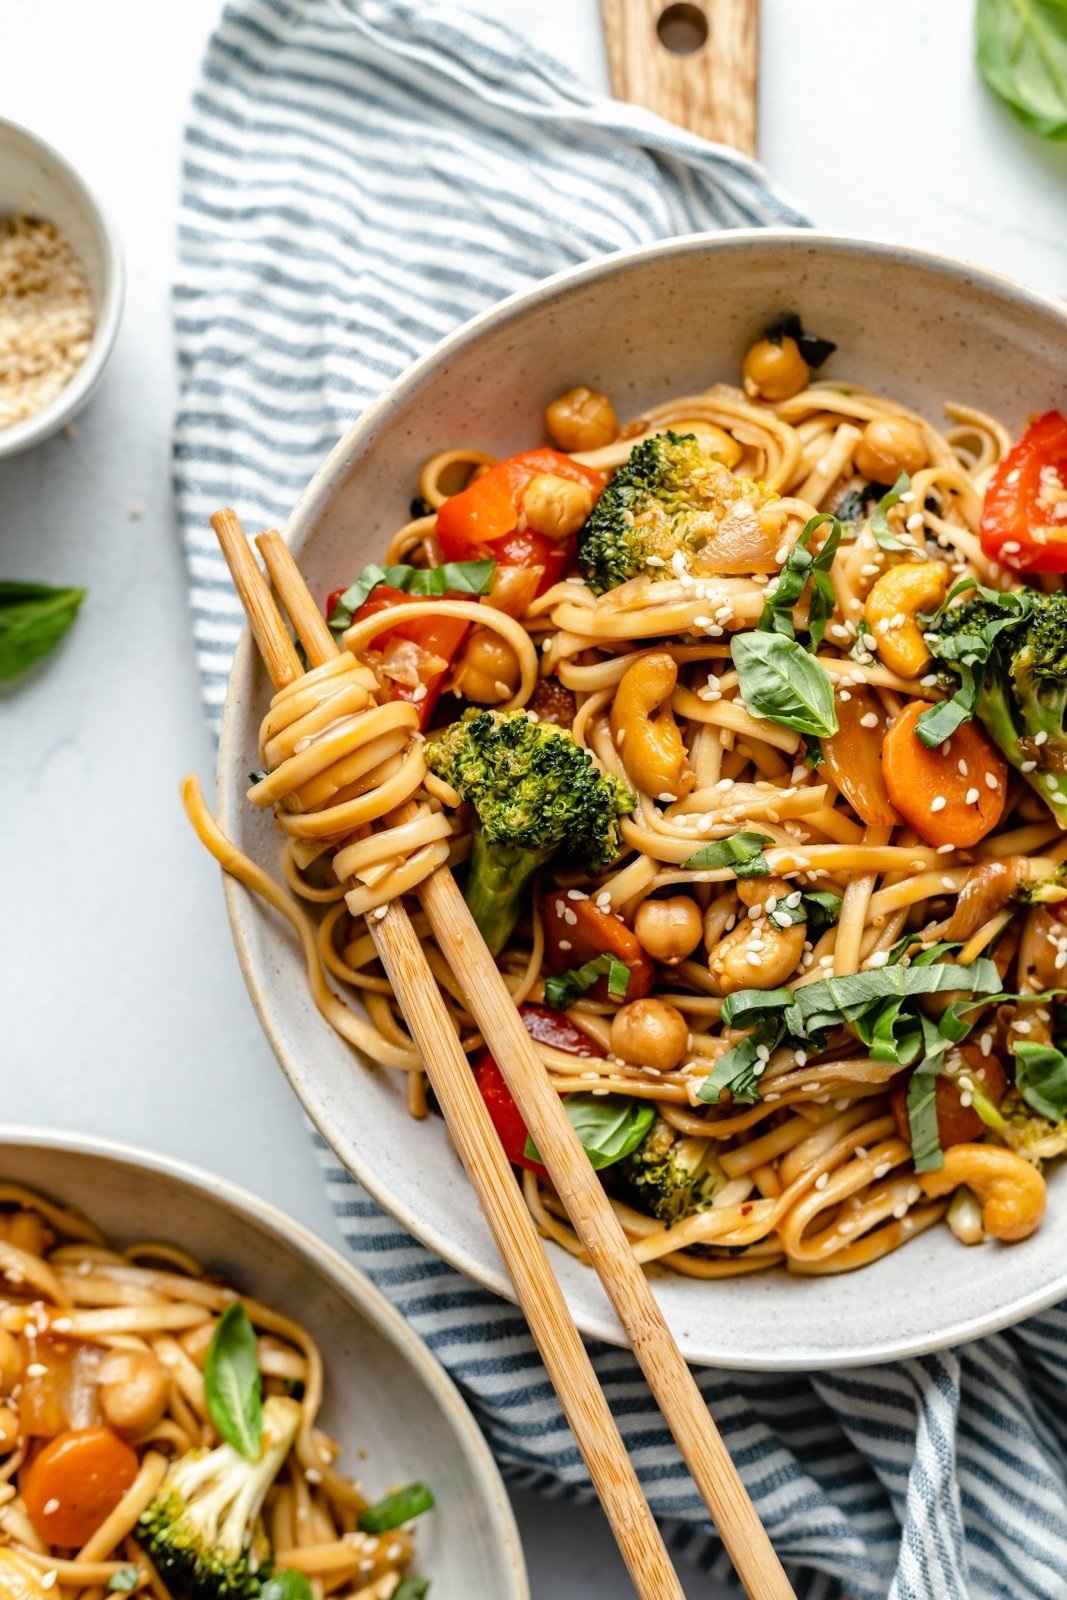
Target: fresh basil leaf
x: 823, y: 911
x: 789, y: 326
x: 232, y: 1384
x: 782, y: 682
x: 464, y: 577
x: 396, y: 1509
x: 33, y: 619
x: 563, y: 991
x: 883, y: 533
x: 818, y: 1007
x: 124, y: 1581
x: 813, y: 756
x: 608, y: 1125
x: 922, y: 1121
x: 1022, y: 56
x: 412, y: 1589
x: 288, y: 1584
x: 801, y: 566
x: 745, y: 1007
x: 741, y: 852
x: 1041, y: 1079
x: 741, y: 1067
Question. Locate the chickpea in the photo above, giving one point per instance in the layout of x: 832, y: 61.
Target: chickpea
x: 650, y: 1033
x: 9, y: 1430
x: 581, y: 419
x: 890, y: 446
x: 556, y: 507
x: 133, y: 1390
x: 773, y: 371
x: 669, y: 929
x: 10, y: 1361
x: 488, y: 670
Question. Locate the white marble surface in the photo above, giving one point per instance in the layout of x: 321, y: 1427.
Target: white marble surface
x: 123, y: 1009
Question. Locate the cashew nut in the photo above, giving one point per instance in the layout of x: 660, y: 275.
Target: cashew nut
x: 1009, y: 1189
x: 891, y: 608
x: 645, y: 732
x: 756, y: 953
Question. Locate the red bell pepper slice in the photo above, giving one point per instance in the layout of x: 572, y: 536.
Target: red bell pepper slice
x: 489, y: 510
x: 1020, y: 526
x: 549, y: 1027
x: 438, y: 639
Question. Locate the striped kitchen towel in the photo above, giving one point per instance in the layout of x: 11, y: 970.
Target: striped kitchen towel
x: 359, y: 178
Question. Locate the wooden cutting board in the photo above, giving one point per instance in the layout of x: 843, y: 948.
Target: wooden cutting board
x: 694, y: 63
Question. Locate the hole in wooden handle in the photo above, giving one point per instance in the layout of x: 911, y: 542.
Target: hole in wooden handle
x: 682, y: 28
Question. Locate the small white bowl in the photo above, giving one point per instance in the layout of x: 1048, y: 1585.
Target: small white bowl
x: 384, y: 1394
x: 36, y: 179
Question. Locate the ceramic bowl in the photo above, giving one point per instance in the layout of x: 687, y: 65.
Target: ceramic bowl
x: 385, y: 1394
x: 36, y: 179
x: 644, y: 326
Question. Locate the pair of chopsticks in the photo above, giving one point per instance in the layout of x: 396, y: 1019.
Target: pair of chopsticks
x: 538, y: 1293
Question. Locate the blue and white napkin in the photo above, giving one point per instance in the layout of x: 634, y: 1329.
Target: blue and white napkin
x: 360, y: 176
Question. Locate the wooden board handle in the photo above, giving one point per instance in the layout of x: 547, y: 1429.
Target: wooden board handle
x: 710, y: 89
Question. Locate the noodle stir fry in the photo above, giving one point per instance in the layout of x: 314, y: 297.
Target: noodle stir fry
x: 745, y: 722
x: 160, y: 1433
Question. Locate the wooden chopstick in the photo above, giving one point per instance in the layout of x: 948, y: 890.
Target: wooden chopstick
x: 580, y: 1190
x: 473, y: 1135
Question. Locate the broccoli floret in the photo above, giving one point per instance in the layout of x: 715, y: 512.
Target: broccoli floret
x: 667, y: 1176
x: 1029, y: 1134
x: 1022, y: 702
x: 202, y: 1531
x: 669, y: 498
x: 535, y: 794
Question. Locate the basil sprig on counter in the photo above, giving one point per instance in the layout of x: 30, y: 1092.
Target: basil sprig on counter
x: 1022, y: 55
x: 462, y: 577
x: 608, y: 1125
x: 780, y: 681
x: 563, y: 991
x: 741, y: 852
x: 33, y: 619
x: 232, y: 1384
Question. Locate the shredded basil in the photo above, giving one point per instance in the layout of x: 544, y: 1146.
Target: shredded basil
x: 33, y: 619
x: 564, y: 991
x: 741, y: 852
x: 789, y: 326
x: 395, y: 1509
x: 288, y: 1584
x: 800, y: 567
x: 923, y: 1126
x: 609, y: 1126
x: 883, y: 533
x: 465, y: 577
x: 1022, y: 56
x: 232, y: 1384
x: 782, y: 682
x: 1041, y: 1079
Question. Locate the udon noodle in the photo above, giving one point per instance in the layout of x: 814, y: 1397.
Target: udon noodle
x: 815, y: 1169
x: 107, y: 1348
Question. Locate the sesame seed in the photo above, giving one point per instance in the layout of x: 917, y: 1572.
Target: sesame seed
x: 991, y: 781
x: 51, y: 1507
x: 877, y: 958
x: 973, y: 796
x: 908, y: 497
x: 565, y: 944
x: 945, y: 849
x: 869, y: 719
x: 1040, y: 738
x: 914, y: 522
x: 36, y: 1369
x: 1027, y: 766
x: 821, y: 1181
x: 962, y: 767
x: 882, y: 1169
x: 938, y: 803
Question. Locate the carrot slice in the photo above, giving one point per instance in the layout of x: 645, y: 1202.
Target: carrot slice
x: 577, y: 931
x: 952, y: 795
x: 75, y: 1483
x: 853, y: 757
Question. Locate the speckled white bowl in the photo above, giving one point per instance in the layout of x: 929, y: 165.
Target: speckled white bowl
x: 644, y: 326
x: 36, y: 179
x: 397, y: 1414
